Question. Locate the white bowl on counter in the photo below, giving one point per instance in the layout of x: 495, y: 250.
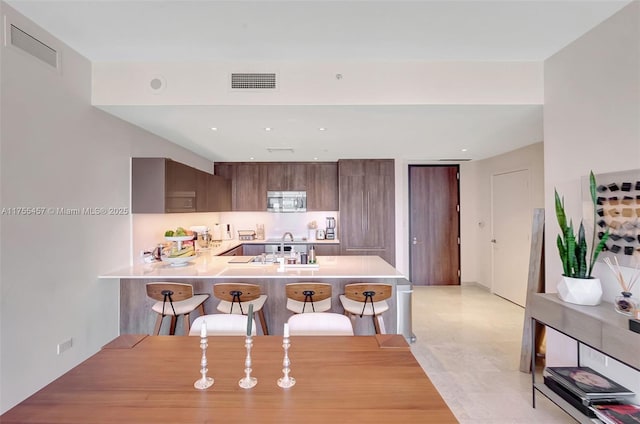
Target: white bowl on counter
x: 178, y: 261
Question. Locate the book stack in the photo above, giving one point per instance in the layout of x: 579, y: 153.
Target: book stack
x: 617, y: 414
x: 586, y: 389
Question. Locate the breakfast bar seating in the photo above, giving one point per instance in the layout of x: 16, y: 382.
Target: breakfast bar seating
x: 236, y: 297
x: 173, y: 300
x: 209, y: 270
x: 362, y: 299
x: 308, y: 297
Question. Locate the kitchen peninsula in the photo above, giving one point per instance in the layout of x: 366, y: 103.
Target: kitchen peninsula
x: 208, y: 269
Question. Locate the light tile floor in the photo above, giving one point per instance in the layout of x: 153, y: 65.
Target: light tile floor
x: 468, y: 343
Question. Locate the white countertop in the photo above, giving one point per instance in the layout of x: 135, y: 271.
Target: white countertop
x: 206, y: 265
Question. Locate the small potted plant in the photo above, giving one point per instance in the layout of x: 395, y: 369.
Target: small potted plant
x: 577, y: 285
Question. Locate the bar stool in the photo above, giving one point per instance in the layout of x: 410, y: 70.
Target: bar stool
x: 174, y: 299
x: 308, y: 297
x: 235, y: 299
x: 367, y: 299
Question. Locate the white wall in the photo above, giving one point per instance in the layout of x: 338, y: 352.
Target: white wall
x: 404, y: 83
x: 591, y: 122
x: 58, y: 151
x: 475, y: 206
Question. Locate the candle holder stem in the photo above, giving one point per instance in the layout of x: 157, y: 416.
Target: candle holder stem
x: 204, y: 382
x: 286, y: 381
x: 248, y: 382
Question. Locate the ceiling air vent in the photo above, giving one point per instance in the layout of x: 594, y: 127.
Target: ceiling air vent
x: 253, y: 81
x: 455, y: 160
x: 280, y: 149
x: 33, y: 46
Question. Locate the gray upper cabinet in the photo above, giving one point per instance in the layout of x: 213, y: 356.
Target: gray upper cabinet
x: 367, y: 208
x: 161, y: 185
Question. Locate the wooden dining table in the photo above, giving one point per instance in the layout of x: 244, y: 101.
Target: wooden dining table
x: 150, y: 379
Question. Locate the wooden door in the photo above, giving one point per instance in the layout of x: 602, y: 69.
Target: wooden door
x: 434, y: 225
x: 511, y: 224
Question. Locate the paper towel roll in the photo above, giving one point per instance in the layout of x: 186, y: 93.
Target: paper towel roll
x: 216, y: 232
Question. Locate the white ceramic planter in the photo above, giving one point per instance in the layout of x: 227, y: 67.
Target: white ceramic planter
x: 581, y: 291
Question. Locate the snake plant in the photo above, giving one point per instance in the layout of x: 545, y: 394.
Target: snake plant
x: 573, y: 250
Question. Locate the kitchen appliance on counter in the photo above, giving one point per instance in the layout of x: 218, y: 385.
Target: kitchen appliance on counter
x: 203, y: 236
x: 216, y: 232
x: 227, y: 232
x: 330, y: 232
x: 246, y: 235
x: 286, y: 201
x: 320, y: 234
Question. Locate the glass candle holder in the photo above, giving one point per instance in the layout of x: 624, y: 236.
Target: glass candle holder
x: 625, y: 303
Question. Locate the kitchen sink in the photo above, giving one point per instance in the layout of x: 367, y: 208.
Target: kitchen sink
x: 288, y: 240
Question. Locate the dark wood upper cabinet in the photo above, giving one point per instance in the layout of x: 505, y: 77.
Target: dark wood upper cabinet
x: 248, y: 186
x: 367, y: 208
x: 202, y: 194
x: 286, y: 176
x: 322, y: 186
x: 161, y: 185
x: 252, y: 180
x: 218, y: 193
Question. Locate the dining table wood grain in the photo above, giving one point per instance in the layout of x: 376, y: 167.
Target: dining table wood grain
x: 149, y: 379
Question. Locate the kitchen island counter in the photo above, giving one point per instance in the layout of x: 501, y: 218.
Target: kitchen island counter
x: 208, y: 266
x: 206, y: 270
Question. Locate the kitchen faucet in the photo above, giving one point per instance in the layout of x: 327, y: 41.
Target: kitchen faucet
x: 284, y: 236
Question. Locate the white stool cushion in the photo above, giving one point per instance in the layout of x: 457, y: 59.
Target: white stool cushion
x: 182, y: 307
x: 319, y: 306
x: 223, y: 325
x: 320, y: 324
x: 225, y: 306
x: 355, y: 307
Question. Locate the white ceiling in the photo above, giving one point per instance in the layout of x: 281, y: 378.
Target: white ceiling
x: 327, y: 31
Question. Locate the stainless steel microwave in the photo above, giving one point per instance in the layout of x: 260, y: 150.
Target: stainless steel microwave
x: 286, y: 201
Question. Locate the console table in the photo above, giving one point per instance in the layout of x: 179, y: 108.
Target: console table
x: 598, y: 327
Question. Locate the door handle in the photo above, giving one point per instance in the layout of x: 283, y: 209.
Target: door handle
x: 493, y: 241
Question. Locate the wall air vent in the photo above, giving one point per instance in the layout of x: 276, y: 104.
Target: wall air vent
x: 33, y: 46
x: 253, y: 81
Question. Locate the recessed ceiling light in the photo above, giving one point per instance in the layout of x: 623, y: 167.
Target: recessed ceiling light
x: 251, y: 158
x: 464, y: 150
x: 214, y: 128
x: 267, y: 129
x: 315, y: 158
x: 322, y: 129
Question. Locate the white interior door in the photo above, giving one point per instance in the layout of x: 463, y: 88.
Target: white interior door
x: 511, y: 223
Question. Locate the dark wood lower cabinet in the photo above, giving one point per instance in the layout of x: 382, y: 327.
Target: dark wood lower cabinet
x: 236, y: 251
x: 327, y: 249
